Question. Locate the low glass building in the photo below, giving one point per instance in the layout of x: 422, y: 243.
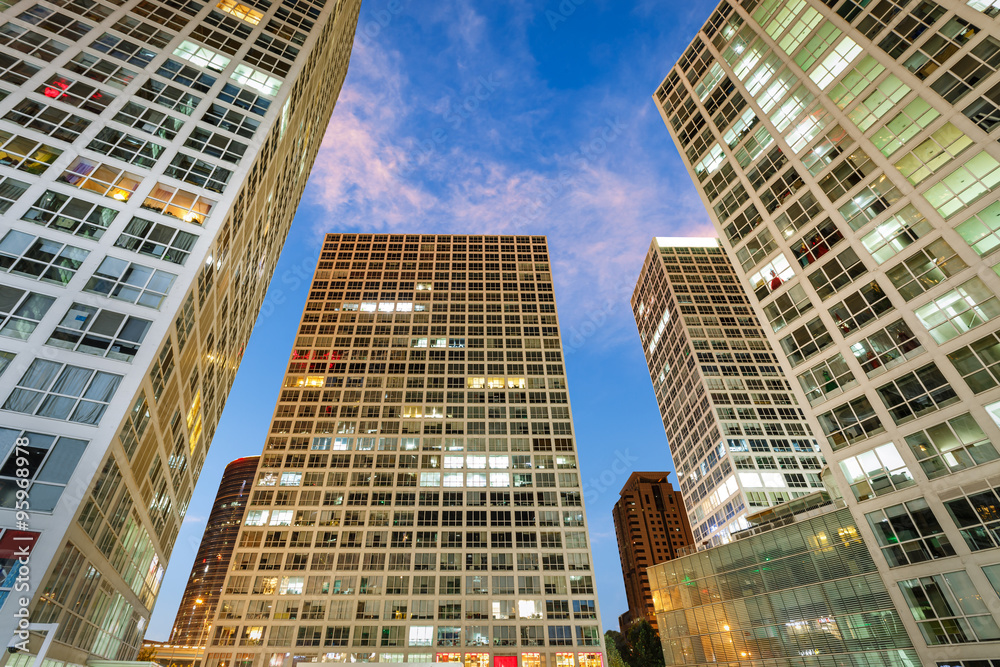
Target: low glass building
x: 799, y: 589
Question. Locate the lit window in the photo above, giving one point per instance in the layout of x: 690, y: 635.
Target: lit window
x: 956, y: 444
x: 978, y: 176
x: 201, y: 57
x: 240, y: 11
x: 876, y: 472
x: 896, y: 233
x: 248, y: 76
x: 959, y: 310
x: 835, y: 63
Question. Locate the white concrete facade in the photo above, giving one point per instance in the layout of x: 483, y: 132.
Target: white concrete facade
x: 846, y: 153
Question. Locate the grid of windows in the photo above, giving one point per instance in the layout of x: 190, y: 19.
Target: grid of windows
x: 951, y: 446
x: 61, y: 391
x: 424, y: 419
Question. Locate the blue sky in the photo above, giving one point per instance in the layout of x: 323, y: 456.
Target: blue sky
x: 513, y: 117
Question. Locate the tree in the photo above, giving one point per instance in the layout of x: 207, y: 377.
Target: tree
x: 146, y: 654
x: 644, y: 649
x: 613, y: 640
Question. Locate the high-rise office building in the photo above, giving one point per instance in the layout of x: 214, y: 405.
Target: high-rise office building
x: 847, y: 155
x: 418, y: 498
x: 737, y: 434
x: 153, y: 154
x: 211, y: 563
x: 651, y: 526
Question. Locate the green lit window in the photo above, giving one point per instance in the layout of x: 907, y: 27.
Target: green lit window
x: 959, y: 310
x: 896, y: 233
x: 800, y: 31
x: 879, y: 102
x: 948, y: 609
x: 821, y: 40
x: 855, y: 81
x: 791, y: 108
x: 775, y: 90
x: 905, y: 125
x: 951, y: 446
x: 982, y: 230
x: 978, y: 176
x: 807, y: 128
x: 943, y: 146
x: 835, y: 63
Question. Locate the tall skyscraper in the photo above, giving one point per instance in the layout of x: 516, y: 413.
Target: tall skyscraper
x: 153, y: 154
x: 847, y: 154
x: 418, y: 498
x: 211, y: 563
x: 651, y: 526
x: 737, y: 434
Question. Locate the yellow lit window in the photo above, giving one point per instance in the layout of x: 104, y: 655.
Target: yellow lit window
x: 591, y: 660
x: 241, y: 12
x: 449, y: 657
x: 495, y: 383
x: 565, y: 660
x: 480, y: 660
x: 531, y: 660
x: 311, y: 381
x: 515, y: 383
x: 193, y: 410
x: 476, y: 383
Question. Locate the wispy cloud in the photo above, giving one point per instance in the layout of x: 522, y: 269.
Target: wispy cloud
x: 465, y: 155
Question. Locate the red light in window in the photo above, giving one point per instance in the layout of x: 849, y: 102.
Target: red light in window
x: 56, y: 89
